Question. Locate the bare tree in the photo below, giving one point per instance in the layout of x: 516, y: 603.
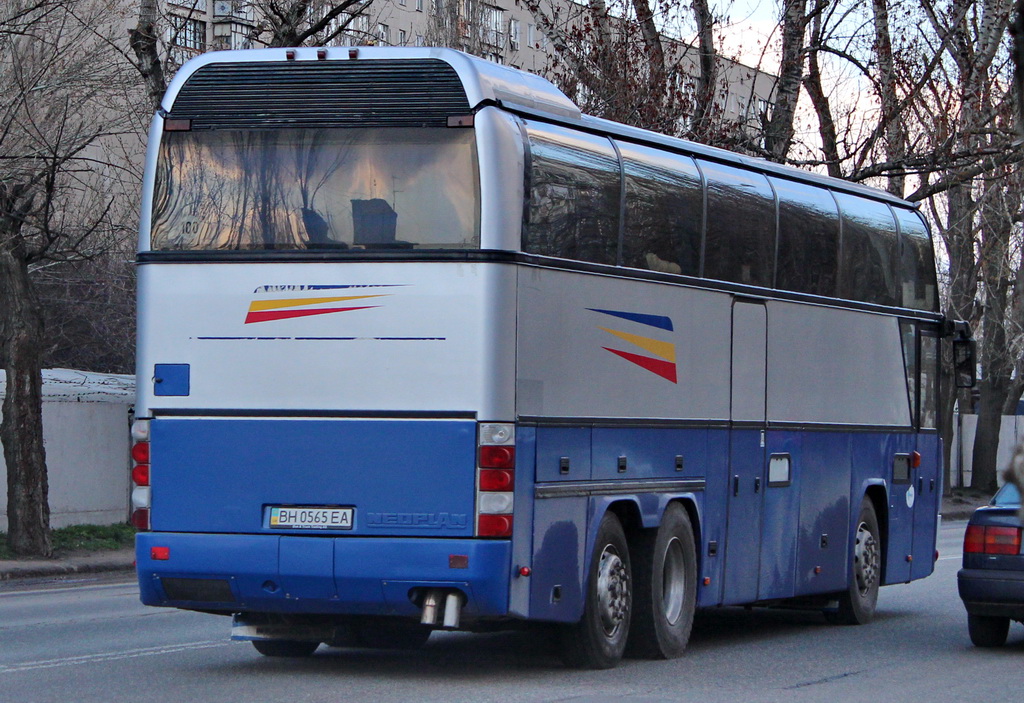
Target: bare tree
x: 60, y: 84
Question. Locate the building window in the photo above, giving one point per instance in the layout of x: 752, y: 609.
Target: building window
x: 401, y: 37
x: 383, y: 34
x: 494, y: 25
x: 358, y: 30
x: 531, y: 36
x: 419, y: 5
x: 513, y: 34
x: 188, y: 38
x: 420, y: 41
x: 402, y: 3
x: 239, y: 38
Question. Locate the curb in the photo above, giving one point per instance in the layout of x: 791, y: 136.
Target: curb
x: 123, y: 560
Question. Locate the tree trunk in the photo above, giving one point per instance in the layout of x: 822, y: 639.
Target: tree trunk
x: 986, y: 440
x: 21, y: 429
x: 778, y: 136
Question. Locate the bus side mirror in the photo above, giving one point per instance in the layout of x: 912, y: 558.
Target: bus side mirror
x: 965, y: 363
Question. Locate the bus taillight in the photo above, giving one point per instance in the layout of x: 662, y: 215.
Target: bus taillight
x: 496, y: 461
x: 141, y: 498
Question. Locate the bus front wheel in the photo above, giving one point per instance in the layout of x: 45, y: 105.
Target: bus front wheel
x: 598, y: 640
x: 857, y: 603
x: 665, y: 587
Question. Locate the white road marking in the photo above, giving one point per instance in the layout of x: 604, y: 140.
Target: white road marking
x: 111, y: 656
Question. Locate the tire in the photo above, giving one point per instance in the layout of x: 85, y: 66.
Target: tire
x: 664, y: 587
x: 285, y: 648
x: 857, y: 604
x: 390, y: 633
x: 987, y: 631
x: 598, y: 640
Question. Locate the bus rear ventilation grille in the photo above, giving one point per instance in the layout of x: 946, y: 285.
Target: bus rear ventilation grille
x: 385, y: 93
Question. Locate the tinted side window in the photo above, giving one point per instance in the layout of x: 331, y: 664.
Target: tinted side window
x: 574, y: 196
x: 917, y: 263
x: 664, y: 211
x: 808, y: 239
x: 740, y: 241
x: 868, y: 262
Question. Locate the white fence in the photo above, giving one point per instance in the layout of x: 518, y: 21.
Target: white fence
x: 1011, y: 433
x: 87, y: 437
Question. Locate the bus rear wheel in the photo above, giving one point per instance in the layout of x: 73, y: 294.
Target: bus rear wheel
x: 857, y: 603
x: 665, y: 587
x: 598, y: 640
x: 285, y: 648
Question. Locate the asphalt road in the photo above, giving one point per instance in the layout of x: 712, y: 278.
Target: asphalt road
x: 92, y: 641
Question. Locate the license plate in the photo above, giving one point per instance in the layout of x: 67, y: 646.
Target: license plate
x: 308, y: 517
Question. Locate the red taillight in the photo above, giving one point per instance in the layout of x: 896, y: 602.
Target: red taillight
x: 140, y: 519
x: 980, y: 539
x: 160, y: 553
x: 497, y: 457
x: 140, y: 452
x: 494, y: 525
x: 140, y: 474
x: 497, y: 479
x: 496, y: 463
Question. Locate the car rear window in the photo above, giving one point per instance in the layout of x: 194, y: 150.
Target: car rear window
x: 1006, y: 496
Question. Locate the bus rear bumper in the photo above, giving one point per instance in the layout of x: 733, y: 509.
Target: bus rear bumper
x: 319, y: 575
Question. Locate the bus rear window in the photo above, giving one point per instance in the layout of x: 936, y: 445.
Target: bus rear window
x: 317, y: 189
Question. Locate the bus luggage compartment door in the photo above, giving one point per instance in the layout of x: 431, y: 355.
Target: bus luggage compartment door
x: 369, y: 477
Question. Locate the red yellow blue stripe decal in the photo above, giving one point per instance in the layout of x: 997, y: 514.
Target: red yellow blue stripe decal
x: 663, y: 353
x: 294, y: 307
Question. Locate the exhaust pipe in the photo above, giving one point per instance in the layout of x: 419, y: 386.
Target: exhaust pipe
x: 452, y: 609
x: 430, y: 605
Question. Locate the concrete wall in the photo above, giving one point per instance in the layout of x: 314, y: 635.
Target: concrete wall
x: 1011, y: 433
x: 87, y: 456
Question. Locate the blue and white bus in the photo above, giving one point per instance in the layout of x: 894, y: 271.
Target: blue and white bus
x: 421, y: 346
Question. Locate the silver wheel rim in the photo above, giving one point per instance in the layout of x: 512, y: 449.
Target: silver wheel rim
x: 865, y: 559
x: 673, y: 582
x: 612, y: 590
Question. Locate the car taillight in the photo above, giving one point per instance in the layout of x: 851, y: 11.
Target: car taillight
x: 496, y: 463
x: 989, y: 539
x: 141, y: 498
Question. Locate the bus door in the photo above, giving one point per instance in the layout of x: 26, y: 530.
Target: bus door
x: 746, y: 452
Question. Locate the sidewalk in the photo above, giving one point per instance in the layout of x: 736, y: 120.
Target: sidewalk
x: 88, y: 563
x: 957, y: 507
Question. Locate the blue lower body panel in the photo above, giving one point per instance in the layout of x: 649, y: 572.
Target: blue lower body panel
x: 346, y: 575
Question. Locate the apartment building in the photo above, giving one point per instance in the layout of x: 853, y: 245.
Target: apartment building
x: 504, y: 31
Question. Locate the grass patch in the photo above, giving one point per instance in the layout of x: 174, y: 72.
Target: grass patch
x: 76, y: 538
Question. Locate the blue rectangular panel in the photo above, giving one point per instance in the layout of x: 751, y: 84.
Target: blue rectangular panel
x: 171, y: 379
x: 400, y: 477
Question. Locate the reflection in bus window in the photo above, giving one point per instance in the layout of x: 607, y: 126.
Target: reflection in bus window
x: 664, y: 211
x: 574, y: 196
x: 297, y: 189
x: 869, y: 251
x: 740, y: 240
x: 929, y: 380
x: 919, y: 287
x: 808, y: 239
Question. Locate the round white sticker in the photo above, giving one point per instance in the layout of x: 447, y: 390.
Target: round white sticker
x: 910, y: 497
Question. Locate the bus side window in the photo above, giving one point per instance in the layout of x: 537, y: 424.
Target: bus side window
x: 929, y: 379
x: 917, y: 263
x: 868, y: 261
x: 664, y: 211
x: 908, y: 334
x: 808, y: 239
x: 740, y: 241
x: 574, y: 196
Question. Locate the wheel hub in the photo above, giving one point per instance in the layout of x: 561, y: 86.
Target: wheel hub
x: 866, y: 559
x: 612, y: 590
